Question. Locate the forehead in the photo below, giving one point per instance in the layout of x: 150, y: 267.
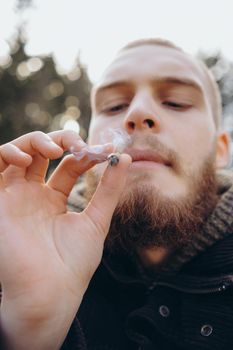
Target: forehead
x: 147, y: 61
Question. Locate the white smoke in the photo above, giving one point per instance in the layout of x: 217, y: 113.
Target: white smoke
x: 117, y: 137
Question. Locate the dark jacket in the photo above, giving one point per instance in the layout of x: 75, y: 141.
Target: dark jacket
x: 191, y: 309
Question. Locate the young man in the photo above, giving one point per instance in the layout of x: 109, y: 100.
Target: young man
x: 165, y: 278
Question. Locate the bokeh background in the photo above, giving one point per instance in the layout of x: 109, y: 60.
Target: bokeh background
x: 52, y: 52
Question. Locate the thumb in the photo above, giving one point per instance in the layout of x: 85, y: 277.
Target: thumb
x: 105, y: 199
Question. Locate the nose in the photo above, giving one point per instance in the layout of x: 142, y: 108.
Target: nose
x: 142, y: 115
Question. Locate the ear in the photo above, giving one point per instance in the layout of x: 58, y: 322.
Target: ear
x: 222, y: 149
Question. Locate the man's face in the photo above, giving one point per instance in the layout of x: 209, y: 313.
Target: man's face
x: 157, y: 95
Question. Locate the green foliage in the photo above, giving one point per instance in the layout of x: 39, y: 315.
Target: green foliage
x: 34, y: 96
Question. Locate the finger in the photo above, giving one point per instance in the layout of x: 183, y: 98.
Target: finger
x: 42, y: 147
x: 67, y: 139
x: 38, y: 168
x: 65, y: 176
x: 38, y: 142
x: 13, y: 174
x: 106, y: 197
x: 12, y: 155
x: 49, y: 145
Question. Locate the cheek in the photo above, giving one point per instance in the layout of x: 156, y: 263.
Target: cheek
x: 196, y: 144
x: 98, y: 131
x: 94, y: 133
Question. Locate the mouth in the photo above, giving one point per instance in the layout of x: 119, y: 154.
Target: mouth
x: 147, y: 155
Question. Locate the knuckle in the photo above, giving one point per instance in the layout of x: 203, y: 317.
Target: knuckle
x: 71, y: 133
x: 3, y: 148
x: 39, y: 134
x: 7, y: 147
x: 70, y: 136
x: 64, y: 133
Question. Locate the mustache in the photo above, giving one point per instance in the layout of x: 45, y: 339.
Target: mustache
x: 152, y: 142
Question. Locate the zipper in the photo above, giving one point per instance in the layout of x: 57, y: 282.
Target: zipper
x: 221, y: 287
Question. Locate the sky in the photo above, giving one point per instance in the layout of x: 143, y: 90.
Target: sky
x: 97, y: 29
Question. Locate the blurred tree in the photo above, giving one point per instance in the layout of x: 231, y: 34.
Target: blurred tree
x: 34, y: 96
x: 222, y: 70
x: 23, y: 4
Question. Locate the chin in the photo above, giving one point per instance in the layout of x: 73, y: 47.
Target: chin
x: 169, y: 187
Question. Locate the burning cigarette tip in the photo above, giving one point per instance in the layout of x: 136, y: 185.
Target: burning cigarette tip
x: 113, y: 159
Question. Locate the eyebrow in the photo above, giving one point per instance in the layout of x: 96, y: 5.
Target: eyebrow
x: 101, y: 89
x: 155, y: 80
x: 180, y: 81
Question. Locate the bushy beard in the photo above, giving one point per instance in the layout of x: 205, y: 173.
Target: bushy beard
x: 145, y: 218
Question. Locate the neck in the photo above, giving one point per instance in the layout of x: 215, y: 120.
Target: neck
x: 154, y: 257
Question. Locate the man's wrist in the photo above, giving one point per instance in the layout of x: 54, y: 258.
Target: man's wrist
x: 22, y: 329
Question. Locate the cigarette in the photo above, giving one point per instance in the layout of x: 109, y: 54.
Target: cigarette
x: 97, y: 153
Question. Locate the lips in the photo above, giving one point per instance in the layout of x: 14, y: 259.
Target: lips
x: 146, y: 155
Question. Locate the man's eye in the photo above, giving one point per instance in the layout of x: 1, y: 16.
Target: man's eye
x: 117, y: 108
x: 175, y: 105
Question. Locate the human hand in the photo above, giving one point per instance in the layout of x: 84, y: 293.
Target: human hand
x: 47, y: 254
